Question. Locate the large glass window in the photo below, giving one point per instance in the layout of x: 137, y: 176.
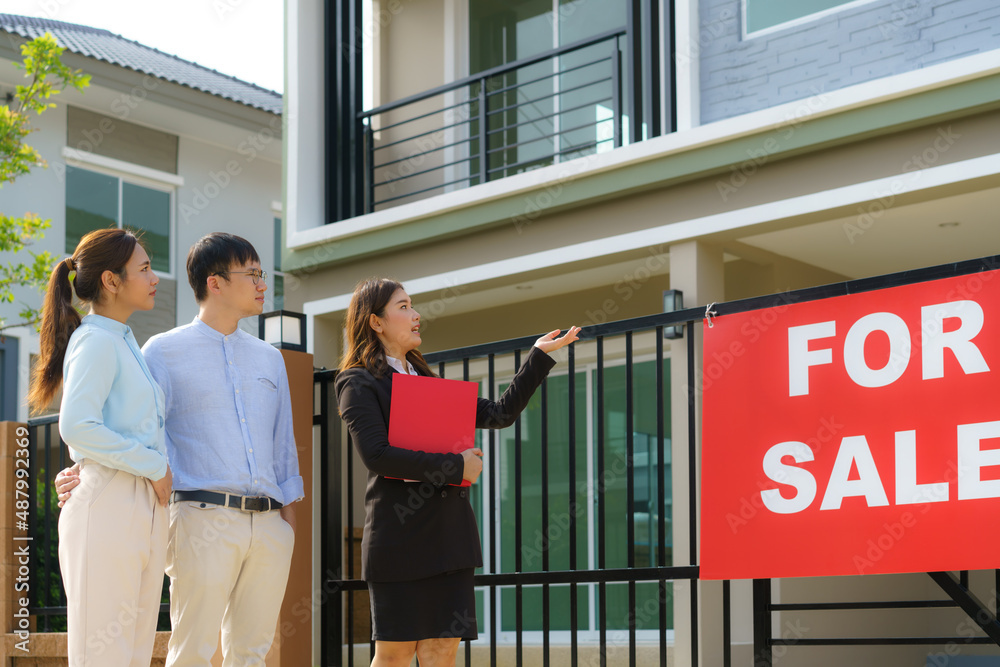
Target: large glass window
x: 553, y: 110
x: 97, y: 201
x: 764, y: 14
x: 644, y: 513
x: 279, y: 277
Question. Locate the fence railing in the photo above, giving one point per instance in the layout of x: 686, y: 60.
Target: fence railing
x: 48, y: 599
x: 591, y: 532
x: 592, y: 449
x: 604, y: 350
x: 49, y: 455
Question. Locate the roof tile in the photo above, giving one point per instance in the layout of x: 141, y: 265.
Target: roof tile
x: 104, y: 45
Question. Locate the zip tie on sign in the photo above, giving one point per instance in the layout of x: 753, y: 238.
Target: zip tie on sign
x: 708, y: 314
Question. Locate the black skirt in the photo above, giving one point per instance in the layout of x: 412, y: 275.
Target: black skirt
x: 442, y: 606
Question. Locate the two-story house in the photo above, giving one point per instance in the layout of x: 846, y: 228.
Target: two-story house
x: 529, y: 164
x: 156, y: 144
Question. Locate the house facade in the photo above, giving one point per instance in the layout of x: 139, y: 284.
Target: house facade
x: 526, y: 165
x: 155, y: 143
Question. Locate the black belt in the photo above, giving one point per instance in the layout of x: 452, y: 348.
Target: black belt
x: 244, y: 503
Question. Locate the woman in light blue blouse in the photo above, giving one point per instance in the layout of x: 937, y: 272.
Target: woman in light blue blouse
x: 113, y: 531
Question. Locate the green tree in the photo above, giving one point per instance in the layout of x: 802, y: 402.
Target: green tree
x: 47, y: 76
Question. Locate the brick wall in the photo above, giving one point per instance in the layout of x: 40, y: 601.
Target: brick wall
x: 846, y: 47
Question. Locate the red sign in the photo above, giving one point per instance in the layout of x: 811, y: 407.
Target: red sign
x: 858, y: 434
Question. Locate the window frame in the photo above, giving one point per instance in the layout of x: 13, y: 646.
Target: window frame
x: 791, y: 23
x: 278, y: 221
x: 126, y: 172
x: 592, y: 634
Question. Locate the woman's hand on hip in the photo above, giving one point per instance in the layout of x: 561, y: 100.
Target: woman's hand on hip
x: 549, y: 343
x: 67, y: 480
x: 473, y: 460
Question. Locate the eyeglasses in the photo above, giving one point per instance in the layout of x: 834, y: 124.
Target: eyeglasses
x: 256, y: 275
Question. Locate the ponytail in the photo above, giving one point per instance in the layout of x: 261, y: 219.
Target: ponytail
x: 98, y: 251
x: 59, y: 321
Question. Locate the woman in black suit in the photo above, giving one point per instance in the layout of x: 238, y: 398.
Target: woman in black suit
x: 421, y: 543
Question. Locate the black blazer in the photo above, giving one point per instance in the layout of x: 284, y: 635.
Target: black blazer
x: 417, y: 530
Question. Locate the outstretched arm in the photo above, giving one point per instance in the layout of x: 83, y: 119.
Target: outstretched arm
x: 502, y: 412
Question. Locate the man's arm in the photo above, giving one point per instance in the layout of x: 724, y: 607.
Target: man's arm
x: 286, y: 456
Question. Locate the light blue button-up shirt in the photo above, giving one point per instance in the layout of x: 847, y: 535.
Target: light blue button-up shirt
x: 228, y: 412
x: 112, y: 409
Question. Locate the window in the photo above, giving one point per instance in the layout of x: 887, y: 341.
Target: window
x: 545, y: 112
x: 644, y: 513
x: 96, y: 200
x: 762, y: 15
x: 279, y: 277
x: 8, y: 378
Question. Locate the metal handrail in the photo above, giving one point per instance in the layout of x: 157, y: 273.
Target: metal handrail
x: 494, y: 71
x: 561, y: 72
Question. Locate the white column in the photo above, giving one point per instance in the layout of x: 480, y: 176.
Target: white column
x: 303, y: 118
x: 696, y: 268
x: 688, y: 48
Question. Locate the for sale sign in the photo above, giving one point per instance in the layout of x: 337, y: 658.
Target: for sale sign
x: 854, y: 435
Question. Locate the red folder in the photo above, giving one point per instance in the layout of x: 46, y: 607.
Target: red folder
x: 428, y: 414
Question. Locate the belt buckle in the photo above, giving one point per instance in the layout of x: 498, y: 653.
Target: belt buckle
x: 257, y: 504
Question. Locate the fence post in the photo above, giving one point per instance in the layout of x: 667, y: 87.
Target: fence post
x: 293, y: 642
x: 762, y: 623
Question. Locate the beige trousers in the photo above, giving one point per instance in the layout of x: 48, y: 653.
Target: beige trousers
x: 228, y: 569
x: 112, y: 547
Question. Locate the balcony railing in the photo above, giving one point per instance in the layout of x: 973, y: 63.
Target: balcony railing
x: 578, y: 99
x: 558, y: 105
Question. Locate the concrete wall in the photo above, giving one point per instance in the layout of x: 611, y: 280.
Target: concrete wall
x: 860, y: 43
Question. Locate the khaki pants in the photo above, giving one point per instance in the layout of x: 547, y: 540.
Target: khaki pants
x: 227, y: 569
x: 112, y: 547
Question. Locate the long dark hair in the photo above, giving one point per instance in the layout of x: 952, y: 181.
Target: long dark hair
x: 99, y: 251
x: 364, y: 349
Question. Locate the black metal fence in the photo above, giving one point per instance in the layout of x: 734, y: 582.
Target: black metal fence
x: 49, y: 456
x: 659, y: 566
x: 500, y: 358
x: 622, y: 363
x: 47, y: 599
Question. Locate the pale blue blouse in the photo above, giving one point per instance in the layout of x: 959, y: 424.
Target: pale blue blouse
x: 112, y: 409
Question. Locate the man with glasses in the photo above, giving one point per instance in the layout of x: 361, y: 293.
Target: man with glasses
x: 236, y: 470
x: 235, y: 467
